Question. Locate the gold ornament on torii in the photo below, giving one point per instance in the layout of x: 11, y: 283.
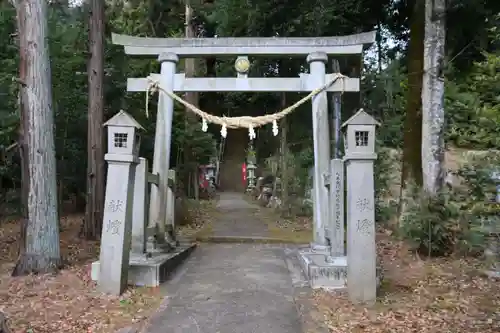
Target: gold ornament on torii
x: 242, y: 65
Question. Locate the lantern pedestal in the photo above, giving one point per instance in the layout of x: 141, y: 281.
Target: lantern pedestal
x: 322, y: 270
x: 150, y: 270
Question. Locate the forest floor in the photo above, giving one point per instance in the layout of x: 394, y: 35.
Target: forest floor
x: 417, y: 295
x: 448, y: 295
x: 68, y: 302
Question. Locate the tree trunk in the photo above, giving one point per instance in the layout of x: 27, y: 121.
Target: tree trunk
x: 95, y: 132
x: 41, y: 252
x: 196, y: 185
x: 412, y: 136
x: 380, y: 54
x: 336, y: 103
x: 284, y: 160
x: 192, y: 98
x: 433, y: 97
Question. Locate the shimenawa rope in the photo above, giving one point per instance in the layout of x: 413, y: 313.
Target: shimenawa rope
x: 239, y: 122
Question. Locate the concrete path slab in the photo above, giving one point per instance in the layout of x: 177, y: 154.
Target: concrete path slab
x: 238, y: 218
x: 230, y: 288
x: 231, y: 201
x: 234, y: 287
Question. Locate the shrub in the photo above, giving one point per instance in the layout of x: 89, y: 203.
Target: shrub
x: 456, y: 219
x: 431, y: 224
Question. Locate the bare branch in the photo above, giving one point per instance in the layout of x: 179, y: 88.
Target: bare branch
x: 12, y: 146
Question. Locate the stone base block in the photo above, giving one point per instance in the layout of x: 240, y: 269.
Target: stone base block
x: 322, y: 271
x: 151, y: 271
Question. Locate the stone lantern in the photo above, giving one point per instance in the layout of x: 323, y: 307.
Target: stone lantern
x: 122, y: 158
x: 251, y: 167
x: 123, y: 135
x: 251, y: 177
x: 360, y: 207
x: 360, y: 135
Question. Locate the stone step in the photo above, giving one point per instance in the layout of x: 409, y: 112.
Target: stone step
x: 150, y: 270
x: 246, y: 239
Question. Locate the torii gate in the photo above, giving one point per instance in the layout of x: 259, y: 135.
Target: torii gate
x: 317, y: 50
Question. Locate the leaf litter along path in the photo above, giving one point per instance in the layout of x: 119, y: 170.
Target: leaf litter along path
x: 68, y: 301
x: 437, y: 295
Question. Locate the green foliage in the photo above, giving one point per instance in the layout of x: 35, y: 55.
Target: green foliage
x: 383, y: 176
x: 9, y: 117
x: 473, y: 106
x: 385, y: 96
x: 477, y: 174
x: 430, y: 224
x: 298, y: 164
x: 68, y: 43
x: 478, y: 199
x: 201, y: 144
x: 456, y: 219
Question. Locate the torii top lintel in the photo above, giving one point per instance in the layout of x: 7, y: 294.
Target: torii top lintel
x: 231, y: 46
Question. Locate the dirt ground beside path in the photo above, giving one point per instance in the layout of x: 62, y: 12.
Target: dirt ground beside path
x: 66, y: 302
x: 425, y: 296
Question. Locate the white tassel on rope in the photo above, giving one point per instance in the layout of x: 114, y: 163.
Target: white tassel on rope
x: 223, y: 131
x: 251, y: 133
x: 275, y: 128
x: 204, y: 125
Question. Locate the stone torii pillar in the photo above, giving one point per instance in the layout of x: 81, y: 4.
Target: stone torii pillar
x: 317, y: 61
x: 162, y: 148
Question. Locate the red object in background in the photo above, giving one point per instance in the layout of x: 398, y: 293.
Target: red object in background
x: 203, y: 177
x: 244, y: 173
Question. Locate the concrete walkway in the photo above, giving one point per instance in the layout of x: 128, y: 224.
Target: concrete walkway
x: 232, y: 288
x: 238, y: 218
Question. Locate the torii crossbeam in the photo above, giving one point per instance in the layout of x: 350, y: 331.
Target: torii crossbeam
x: 231, y: 46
